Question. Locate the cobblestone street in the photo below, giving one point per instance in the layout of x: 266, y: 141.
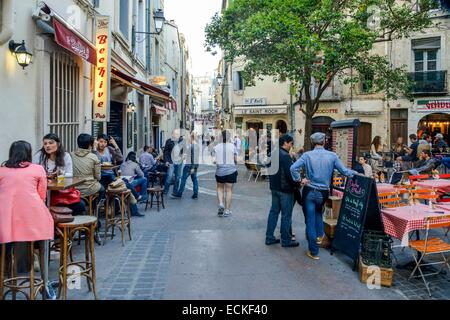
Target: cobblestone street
x: 187, y: 252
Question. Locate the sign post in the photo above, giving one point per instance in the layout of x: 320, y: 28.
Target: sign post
x: 360, y: 211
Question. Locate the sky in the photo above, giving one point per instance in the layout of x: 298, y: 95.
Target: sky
x: 191, y: 18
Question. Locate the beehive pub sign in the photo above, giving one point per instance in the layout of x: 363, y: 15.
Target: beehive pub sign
x: 102, y: 70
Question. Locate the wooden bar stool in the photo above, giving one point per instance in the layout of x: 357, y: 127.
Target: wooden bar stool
x: 86, y: 268
x: 123, y: 199
x: 158, y: 193
x: 23, y: 284
x: 90, y: 200
x: 156, y: 177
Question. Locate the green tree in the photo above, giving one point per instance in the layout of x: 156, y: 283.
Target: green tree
x: 311, y: 42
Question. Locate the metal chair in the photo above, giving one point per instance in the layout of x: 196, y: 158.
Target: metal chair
x: 431, y: 246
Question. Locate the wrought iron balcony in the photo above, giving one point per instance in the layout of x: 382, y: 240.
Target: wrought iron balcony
x: 429, y: 82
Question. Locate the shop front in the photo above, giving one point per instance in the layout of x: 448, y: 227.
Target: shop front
x: 262, y: 117
x: 431, y: 117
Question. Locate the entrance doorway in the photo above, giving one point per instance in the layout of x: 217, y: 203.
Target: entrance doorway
x: 399, y: 125
x: 322, y: 124
x: 281, y: 126
x: 115, y: 124
x: 364, y: 138
x: 435, y: 123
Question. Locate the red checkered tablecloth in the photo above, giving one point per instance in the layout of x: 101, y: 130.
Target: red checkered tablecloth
x: 385, y: 187
x: 398, y: 222
x: 441, y: 185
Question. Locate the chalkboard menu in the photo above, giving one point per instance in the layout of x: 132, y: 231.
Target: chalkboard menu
x: 359, y: 211
x: 115, y: 124
x: 345, y: 140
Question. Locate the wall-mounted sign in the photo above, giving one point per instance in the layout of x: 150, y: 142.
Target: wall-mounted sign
x: 255, y: 101
x: 266, y: 110
x: 103, y: 69
x: 327, y: 111
x: 433, y: 105
x: 158, y: 80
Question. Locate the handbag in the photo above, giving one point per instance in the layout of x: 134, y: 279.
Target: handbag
x: 117, y: 186
x: 61, y: 215
x: 65, y: 197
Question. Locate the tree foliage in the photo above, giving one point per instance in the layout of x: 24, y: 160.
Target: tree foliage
x: 310, y: 42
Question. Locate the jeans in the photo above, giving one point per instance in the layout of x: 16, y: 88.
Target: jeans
x: 142, y: 182
x: 186, y: 174
x: 107, y: 178
x: 283, y: 202
x: 313, y: 210
x: 131, y: 188
x: 173, y: 169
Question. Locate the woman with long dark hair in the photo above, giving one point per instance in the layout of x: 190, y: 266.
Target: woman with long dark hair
x: 375, y: 152
x: 23, y: 188
x: 55, y: 160
x: 53, y: 157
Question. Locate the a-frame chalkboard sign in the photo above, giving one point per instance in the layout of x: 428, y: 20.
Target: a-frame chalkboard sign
x: 360, y: 211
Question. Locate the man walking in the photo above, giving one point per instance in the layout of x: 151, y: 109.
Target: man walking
x: 319, y: 165
x: 190, y: 168
x: 282, y: 189
x: 174, y: 161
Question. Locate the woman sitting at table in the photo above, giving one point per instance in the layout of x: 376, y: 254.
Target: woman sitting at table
x: 375, y: 152
x: 23, y: 188
x: 130, y: 168
x: 399, y: 148
x: 366, y: 167
x: 55, y: 161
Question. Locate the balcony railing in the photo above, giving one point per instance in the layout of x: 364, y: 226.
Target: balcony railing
x: 429, y: 82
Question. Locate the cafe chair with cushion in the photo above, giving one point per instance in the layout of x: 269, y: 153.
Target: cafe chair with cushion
x: 431, y: 246
x: 390, y: 200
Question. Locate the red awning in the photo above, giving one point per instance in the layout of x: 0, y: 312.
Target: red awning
x: 141, y: 83
x: 158, y: 110
x: 66, y: 36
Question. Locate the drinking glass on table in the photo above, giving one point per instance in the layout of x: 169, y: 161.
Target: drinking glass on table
x: 61, y: 176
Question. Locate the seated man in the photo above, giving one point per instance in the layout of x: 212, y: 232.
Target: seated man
x: 427, y: 166
x: 87, y: 166
x: 411, y: 153
x: 147, y: 160
x: 130, y: 168
x: 107, y: 154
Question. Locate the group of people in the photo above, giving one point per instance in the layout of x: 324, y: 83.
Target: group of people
x: 307, y: 181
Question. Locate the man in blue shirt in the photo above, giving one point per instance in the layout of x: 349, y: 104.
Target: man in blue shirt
x: 318, y: 166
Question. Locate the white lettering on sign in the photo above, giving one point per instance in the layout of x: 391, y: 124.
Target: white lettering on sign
x: 327, y: 111
x: 255, y: 101
x: 261, y: 110
x: 102, y: 70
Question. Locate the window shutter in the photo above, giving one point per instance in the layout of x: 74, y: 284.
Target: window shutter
x: 426, y: 43
x: 235, y: 81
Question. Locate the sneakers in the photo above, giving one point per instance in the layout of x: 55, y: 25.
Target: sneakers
x: 175, y: 196
x: 271, y: 242
x: 221, y: 211
x: 195, y: 196
x: 291, y: 244
x: 227, y: 213
x: 310, y: 255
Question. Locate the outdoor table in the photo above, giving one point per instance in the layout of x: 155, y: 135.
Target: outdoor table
x: 385, y: 187
x: 441, y: 185
x: 398, y: 222
x: 53, y: 185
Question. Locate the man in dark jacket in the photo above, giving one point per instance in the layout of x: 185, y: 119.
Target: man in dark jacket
x: 173, y: 158
x: 282, y: 189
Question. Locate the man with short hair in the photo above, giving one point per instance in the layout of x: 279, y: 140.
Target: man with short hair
x: 428, y: 164
x: 440, y: 143
x: 147, y: 161
x: 173, y: 159
x: 319, y: 165
x: 282, y: 188
x: 411, y: 152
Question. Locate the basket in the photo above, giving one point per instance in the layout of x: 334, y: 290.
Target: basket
x: 377, y: 249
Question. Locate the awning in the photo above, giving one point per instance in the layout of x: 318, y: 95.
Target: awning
x: 67, y: 37
x: 158, y: 110
x: 141, y: 86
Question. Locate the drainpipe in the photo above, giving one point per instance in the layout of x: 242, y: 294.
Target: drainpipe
x: 149, y: 38
x: 7, y: 21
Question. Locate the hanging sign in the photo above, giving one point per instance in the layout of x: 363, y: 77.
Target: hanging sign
x: 103, y: 69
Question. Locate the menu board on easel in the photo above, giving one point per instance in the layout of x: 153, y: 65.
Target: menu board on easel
x: 345, y: 140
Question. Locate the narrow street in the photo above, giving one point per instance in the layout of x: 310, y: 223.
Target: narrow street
x: 187, y: 252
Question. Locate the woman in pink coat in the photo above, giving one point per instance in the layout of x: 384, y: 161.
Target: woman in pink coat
x: 23, y: 187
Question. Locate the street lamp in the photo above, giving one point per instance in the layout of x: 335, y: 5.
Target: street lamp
x: 219, y: 79
x: 159, y: 18
x: 23, y: 55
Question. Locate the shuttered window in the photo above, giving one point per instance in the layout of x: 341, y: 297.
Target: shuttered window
x: 64, y: 99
